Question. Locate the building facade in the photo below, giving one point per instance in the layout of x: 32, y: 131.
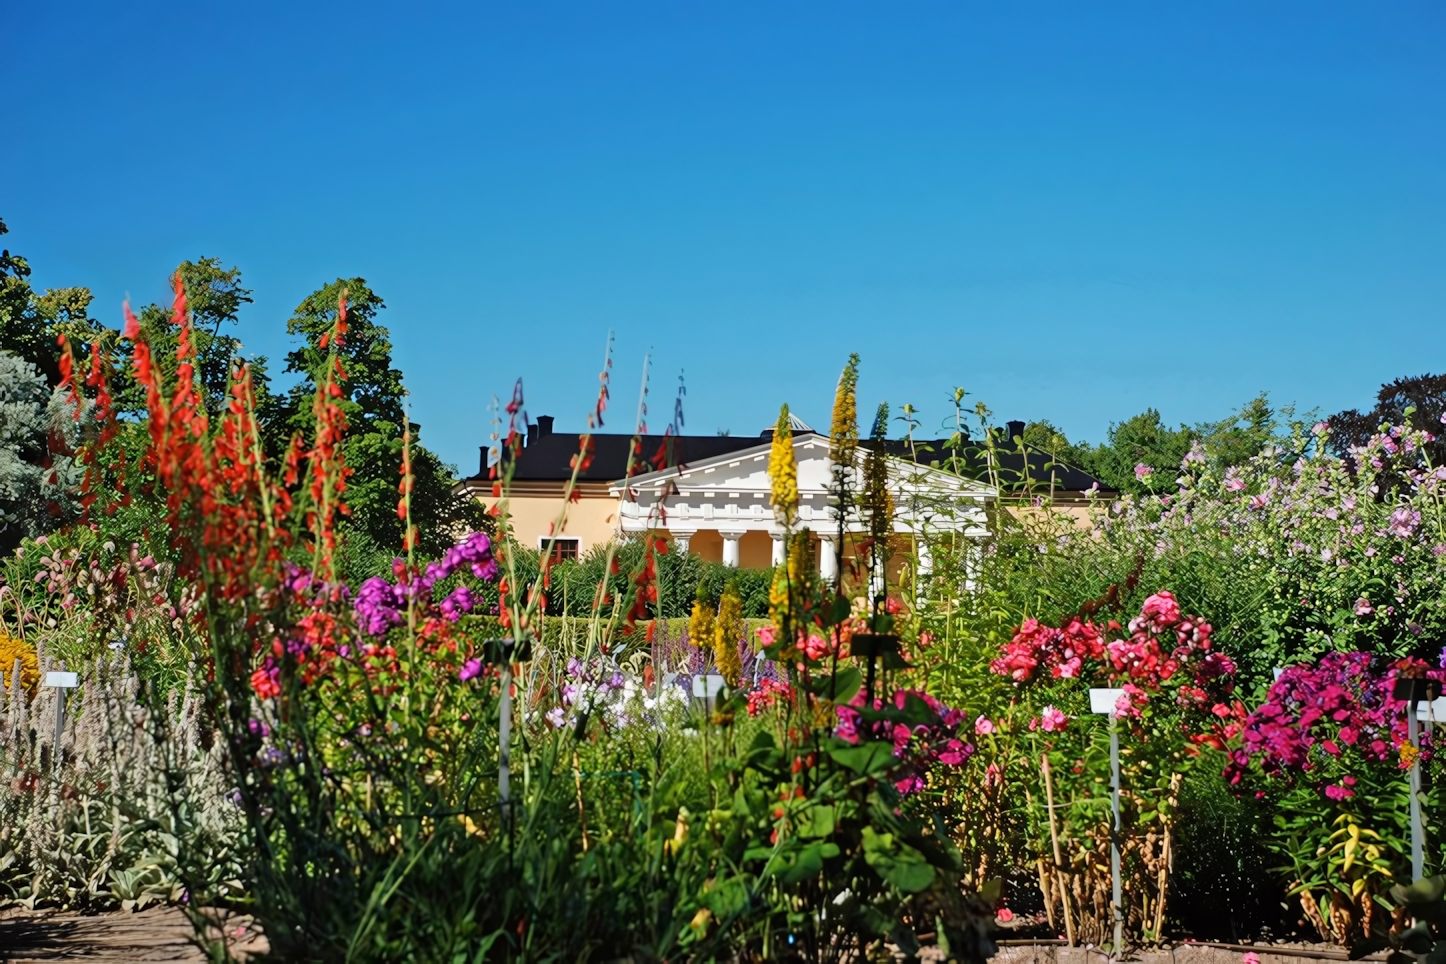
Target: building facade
x: 710, y: 494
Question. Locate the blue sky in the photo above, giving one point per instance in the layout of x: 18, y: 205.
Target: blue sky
x: 1074, y: 210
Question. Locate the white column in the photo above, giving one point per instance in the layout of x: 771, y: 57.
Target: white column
x: 827, y: 558
x: 730, y: 548
x: 680, y: 539
x: 780, y: 551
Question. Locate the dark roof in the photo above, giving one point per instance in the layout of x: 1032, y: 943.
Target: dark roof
x: 1009, y: 461
x: 548, y: 458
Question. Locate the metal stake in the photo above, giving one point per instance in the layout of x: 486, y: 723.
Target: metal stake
x: 504, y: 754
x: 1118, y: 899
x: 1105, y: 702
x: 1418, y: 860
x: 62, y: 681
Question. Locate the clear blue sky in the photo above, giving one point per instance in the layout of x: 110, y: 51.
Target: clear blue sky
x: 1075, y: 210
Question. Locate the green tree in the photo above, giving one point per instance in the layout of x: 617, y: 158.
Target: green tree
x: 30, y: 323
x: 1244, y: 435
x: 214, y: 296
x: 374, y: 404
x: 1044, y: 436
x: 1144, y: 440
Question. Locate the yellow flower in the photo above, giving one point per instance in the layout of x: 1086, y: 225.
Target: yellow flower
x: 783, y: 471
x: 729, y: 629
x: 11, y: 649
x: 700, y: 624
x: 843, y: 438
x: 1408, y: 756
x: 791, y: 585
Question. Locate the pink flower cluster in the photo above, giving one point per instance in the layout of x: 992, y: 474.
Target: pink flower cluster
x: 1050, y: 720
x: 1327, y: 716
x: 919, y: 747
x: 1061, y: 651
x: 766, y: 694
x: 1164, y: 648
x: 1139, y: 657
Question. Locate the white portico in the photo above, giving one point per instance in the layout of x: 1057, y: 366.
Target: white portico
x: 725, y: 499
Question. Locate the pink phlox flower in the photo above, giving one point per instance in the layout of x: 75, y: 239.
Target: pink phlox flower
x: 1051, y: 720
x: 983, y: 726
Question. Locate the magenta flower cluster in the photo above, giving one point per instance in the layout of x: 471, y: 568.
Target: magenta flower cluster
x: 1321, y: 719
x: 381, y: 605
x: 919, y: 747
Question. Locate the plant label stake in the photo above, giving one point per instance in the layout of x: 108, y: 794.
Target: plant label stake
x: 1104, y: 702
x: 62, y: 682
x: 1415, y: 692
x: 501, y: 653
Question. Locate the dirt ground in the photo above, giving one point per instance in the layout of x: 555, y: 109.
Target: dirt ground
x: 152, y: 935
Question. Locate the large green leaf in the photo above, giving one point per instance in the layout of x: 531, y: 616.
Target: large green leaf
x: 874, y: 757
x: 818, y: 821
x: 896, y: 862
x: 808, y: 862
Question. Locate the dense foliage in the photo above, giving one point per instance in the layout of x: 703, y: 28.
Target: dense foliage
x: 316, y: 684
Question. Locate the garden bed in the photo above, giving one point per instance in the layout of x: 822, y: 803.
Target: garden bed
x: 1055, y: 952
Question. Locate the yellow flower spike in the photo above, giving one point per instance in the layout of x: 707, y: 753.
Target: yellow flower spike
x: 727, y: 630
x: 843, y: 437
x: 700, y: 623
x: 783, y: 471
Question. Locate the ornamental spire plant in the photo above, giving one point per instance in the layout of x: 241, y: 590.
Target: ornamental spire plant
x: 783, y: 472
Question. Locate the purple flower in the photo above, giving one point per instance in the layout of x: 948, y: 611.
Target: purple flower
x: 379, y: 606
x: 1143, y: 471
x: 554, y: 717
x: 459, y: 601
x: 470, y: 670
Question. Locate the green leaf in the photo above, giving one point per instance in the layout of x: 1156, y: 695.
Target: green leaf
x: 1368, y: 947
x: 818, y: 821
x: 1418, y: 939
x: 808, y: 862
x: 873, y: 758
x: 847, y: 682
x: 1427, y: 890
x: 896, y: 862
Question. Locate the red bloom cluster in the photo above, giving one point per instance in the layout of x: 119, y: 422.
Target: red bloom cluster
x: 767, y: 694
x: 215, y: 476
x: 1061, y: 651
x: 1140, y: 663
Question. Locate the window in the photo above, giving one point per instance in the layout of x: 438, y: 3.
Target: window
x: 562, y: 549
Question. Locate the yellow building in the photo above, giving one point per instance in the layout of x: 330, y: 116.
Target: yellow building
x: 709, y: 494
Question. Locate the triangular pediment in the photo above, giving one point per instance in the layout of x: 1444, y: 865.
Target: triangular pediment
x: 747, y: 471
